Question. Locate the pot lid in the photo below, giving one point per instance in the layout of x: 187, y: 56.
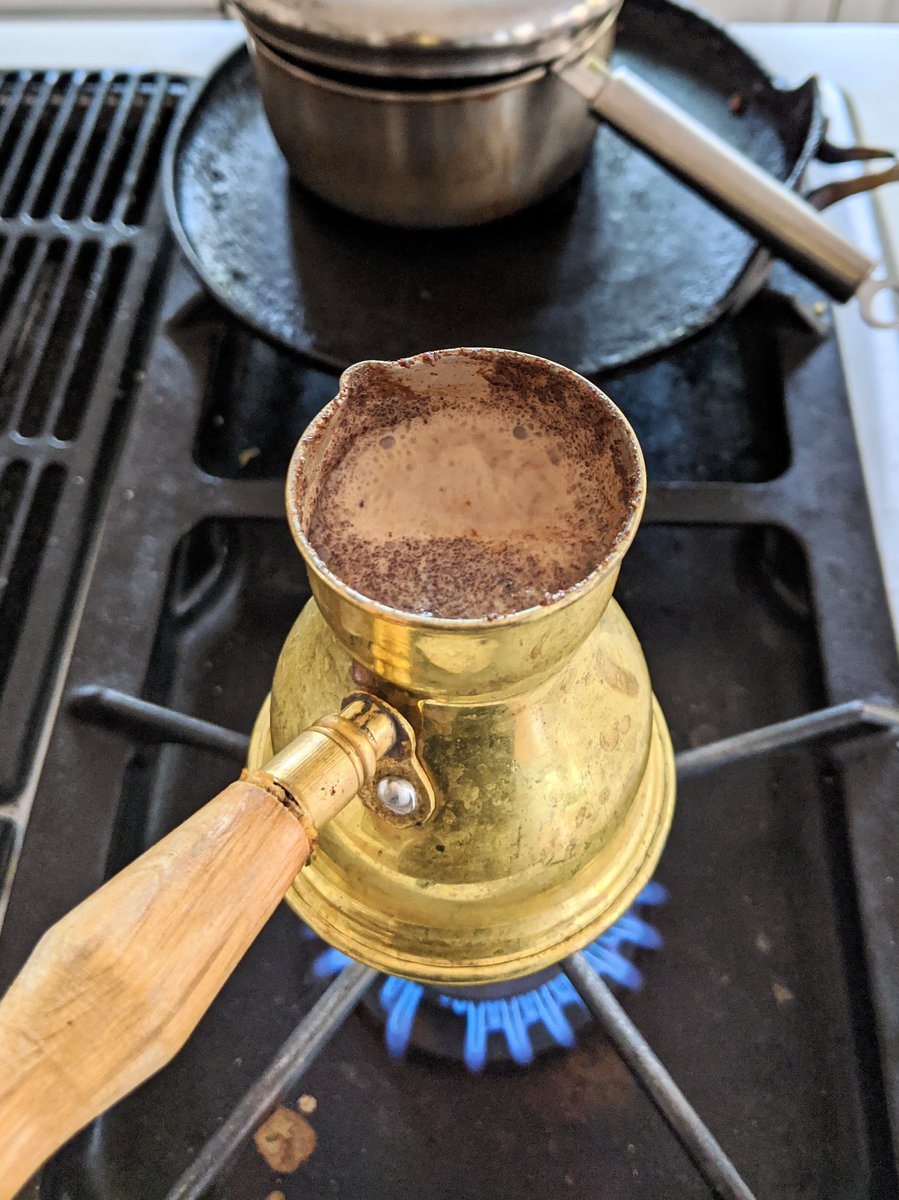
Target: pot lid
x: 426, y: 38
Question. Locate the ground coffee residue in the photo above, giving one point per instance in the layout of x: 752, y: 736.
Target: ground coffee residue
x: 467, y: 487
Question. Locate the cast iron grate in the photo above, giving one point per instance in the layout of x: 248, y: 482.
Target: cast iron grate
x: 82, y: 237
x: 780, y: 834
x: 35, y: 492
x: 83, y: 145
x: 722, y: 392
x: 64, y: 300
x: 732, y: 947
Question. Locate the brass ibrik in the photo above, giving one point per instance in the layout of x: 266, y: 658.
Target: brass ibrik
x: 531, y: 799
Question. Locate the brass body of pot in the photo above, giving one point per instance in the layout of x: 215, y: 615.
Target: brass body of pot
x: 547, y: 767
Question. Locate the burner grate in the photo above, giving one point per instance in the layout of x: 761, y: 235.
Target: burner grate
x: 82, y: 236
x: 789, y: 555
x: 83, y: 145
x: 57, y: 325
x: 580, y: 980
x: 785, y: 554
x: 722, y: 393
x: 39, y: 492
x: 763, y: 827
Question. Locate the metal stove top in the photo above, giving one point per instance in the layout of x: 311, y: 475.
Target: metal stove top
x: 144, y: 442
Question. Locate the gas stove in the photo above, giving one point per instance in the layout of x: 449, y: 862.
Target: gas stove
x: 145, y: 439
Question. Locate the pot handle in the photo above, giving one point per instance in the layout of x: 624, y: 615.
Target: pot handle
x: 826, y: 194
x: 758, y: 202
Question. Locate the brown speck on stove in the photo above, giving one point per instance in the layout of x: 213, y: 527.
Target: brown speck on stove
x: 285, y: 1140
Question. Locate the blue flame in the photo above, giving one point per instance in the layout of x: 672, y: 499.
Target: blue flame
x: 516, y: 1016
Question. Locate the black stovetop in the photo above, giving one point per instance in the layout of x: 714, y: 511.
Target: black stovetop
x: 143, y: 451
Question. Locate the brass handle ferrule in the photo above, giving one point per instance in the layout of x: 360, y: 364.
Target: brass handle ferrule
x: 328, y: 764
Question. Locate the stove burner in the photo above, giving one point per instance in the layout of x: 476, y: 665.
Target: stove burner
x: 502, y: 1022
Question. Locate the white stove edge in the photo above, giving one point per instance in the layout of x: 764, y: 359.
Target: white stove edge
x: 870, y: 356
x: 858, y: 58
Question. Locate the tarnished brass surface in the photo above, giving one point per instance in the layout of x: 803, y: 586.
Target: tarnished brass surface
x: 550, y: 762
x: 552, y: 810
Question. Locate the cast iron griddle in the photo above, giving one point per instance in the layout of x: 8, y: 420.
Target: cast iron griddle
x: 621, y: 263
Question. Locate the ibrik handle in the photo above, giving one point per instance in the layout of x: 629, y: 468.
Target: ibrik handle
x: 114, y: 989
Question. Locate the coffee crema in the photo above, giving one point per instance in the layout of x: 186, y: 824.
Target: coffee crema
x: 473, y: 490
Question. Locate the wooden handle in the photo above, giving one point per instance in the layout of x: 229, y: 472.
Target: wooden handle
x: 113, y: 990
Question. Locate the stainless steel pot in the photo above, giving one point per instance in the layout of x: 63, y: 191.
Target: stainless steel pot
x: 457, y: 156
x: 428, y: 39
x: 433, y: 116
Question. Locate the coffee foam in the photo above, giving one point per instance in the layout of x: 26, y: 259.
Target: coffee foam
x: 467, y: 484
